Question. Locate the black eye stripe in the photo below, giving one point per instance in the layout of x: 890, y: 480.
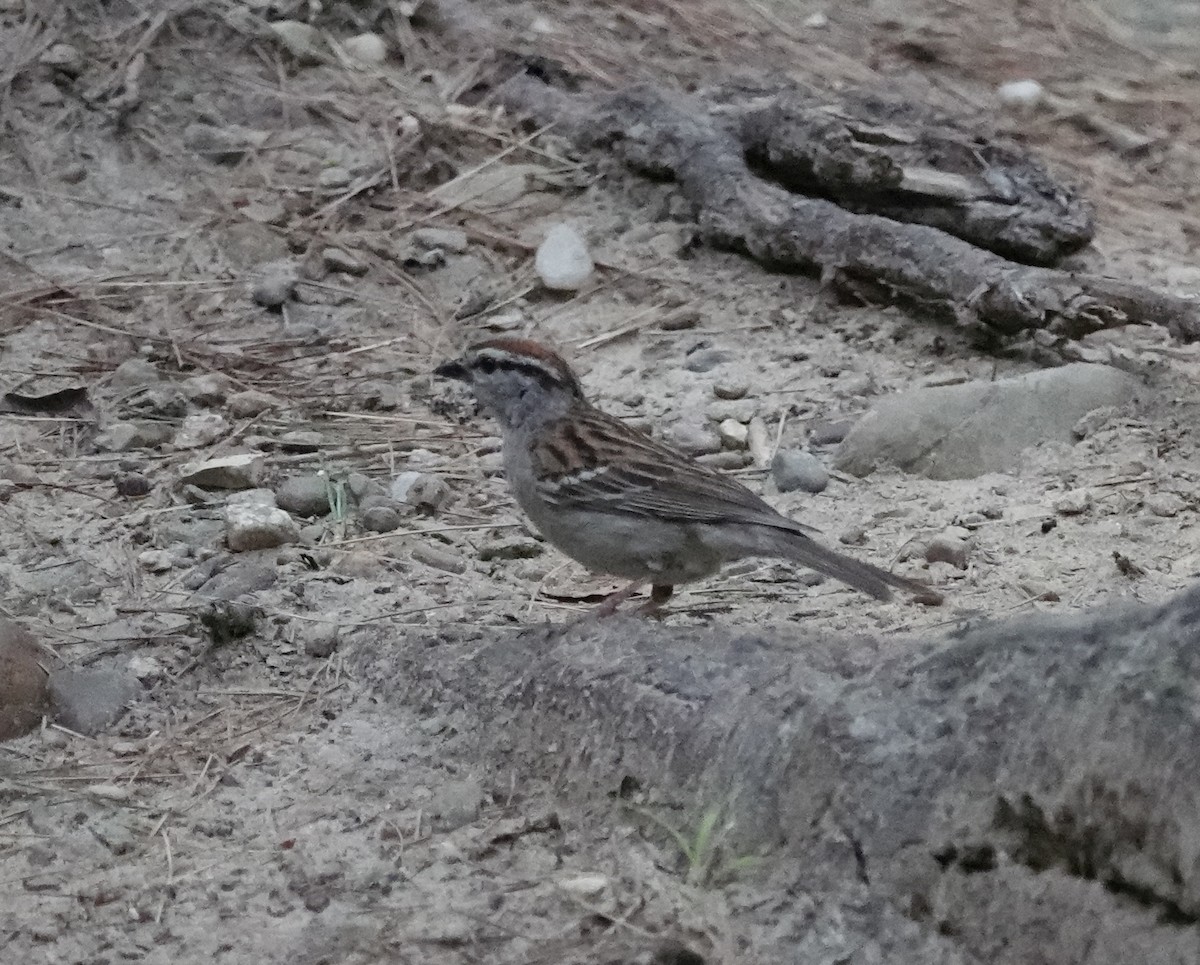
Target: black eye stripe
x: 488, y: 364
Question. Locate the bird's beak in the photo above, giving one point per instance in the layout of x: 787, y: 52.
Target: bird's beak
x: 453, y: 369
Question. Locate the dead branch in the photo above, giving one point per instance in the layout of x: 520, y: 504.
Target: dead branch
x: 867, y: 255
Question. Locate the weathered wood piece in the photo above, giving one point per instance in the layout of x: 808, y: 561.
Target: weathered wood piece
x: 1029, y: 788
x: 871, y: 256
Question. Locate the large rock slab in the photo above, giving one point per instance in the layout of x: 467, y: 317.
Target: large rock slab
x: 964, y: 431
x: 1023, y: 791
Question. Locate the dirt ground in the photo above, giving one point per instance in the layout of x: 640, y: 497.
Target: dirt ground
x: 267, y: 800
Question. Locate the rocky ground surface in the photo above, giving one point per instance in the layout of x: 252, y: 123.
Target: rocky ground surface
x: 248, y: 533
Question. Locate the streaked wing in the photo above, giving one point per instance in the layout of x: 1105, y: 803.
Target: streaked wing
x: 578, y: 461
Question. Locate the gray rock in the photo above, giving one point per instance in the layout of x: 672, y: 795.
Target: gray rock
x: 733, y: 434
x: 250, y: 403
x: 1165, y: 504
x: 89, y: 701
x: 156, y: 561
x: 276, y: 285
x: 951, y: 547
x: 1073, y: 502
x: 257, y: 527
x: 301, y: 440
x: 447, y: 239
x: 793, y: 469
x: 457, y: 802
x: 304, y: 495
x: 829, y: 433
x: 64, y: 57
x: 321, y: 639
x: 119, y: 437
x: 495, y: 185
x: 421, y: 489
x: 338, y: 259
x: 730, y: 389
x: 694, y: 440
x: 209, y: 389
x: 335, y: 178
x: 963, y: 431
x: 227, y: 578
x: 706, y: 359
x: 134, y: 373
x: 132, y: 484
x: 241, y: 471
x: 366, y: 48
x: 201, y: 429
x: 381, y: 519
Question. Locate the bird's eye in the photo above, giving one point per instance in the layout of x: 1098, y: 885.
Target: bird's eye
x: 487, y: 366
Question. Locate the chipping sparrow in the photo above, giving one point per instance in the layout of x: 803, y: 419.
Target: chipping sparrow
x: 622, y: 503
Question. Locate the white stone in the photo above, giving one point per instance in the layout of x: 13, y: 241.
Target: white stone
x: 1023, y: 94
x: 300, y: 39
x: 733, y: 434
x: 257, y: 527
x: 201, y: 429
x: 563, y: 262
x: 366, y: 49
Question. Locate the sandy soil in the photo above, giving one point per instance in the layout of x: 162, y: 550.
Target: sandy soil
x: 265, y: 801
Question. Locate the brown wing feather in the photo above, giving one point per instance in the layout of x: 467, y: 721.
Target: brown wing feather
x: 576, y: 462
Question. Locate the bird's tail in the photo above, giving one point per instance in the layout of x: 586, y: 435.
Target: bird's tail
x: 879, y: 583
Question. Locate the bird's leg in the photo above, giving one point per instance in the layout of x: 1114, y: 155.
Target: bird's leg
x: 660, y: 593
x: 608, y: 606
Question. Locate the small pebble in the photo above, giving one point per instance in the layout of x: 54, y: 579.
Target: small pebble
x: 240, y: 471
x: 46, y: 94
x: 439, y: 559
x: 301, y: 40
x: 256, y: 527
x: 338, y: 259
x: 829, y: 433
x: 1073, y: 503
x: 1165, y: 504
x: 119, y: 437
x: 563, y: 262
x: 726, y: 461
x: 1021, y: 94
x: 742, y: 410
x: 322, y: 640
x: 250, y: 403
x: 63, y: 57
x: 381, y: 519
x: 421, y: 489
x: 301, y: 440
x: 208, y: 389
x: 793, y: 469
x: 200, y: 430
x: 132, y: 484
x: 706, y: 359
x: 734, y: 434
x: 853, y: 536
x: 276, y: 287
x: 155, y: 561
x: 731, y: 389
x: 306, y: 495
x: 951, y: 547
x: 334, y: 177
x: 366, y: 48
x: 693, y: 440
